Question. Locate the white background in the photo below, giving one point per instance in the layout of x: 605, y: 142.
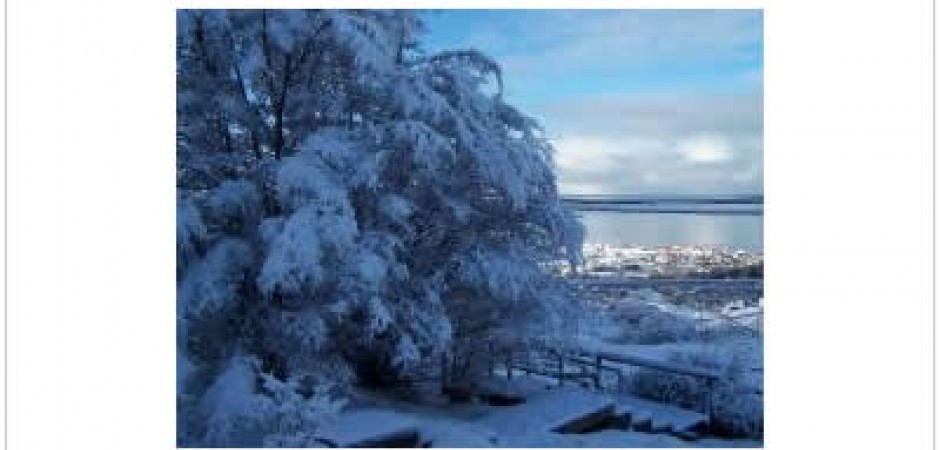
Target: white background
x: 90, y: 217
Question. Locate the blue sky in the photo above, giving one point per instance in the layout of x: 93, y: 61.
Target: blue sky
x: 635, y: 101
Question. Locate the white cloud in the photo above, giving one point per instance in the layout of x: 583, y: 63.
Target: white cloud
x: 585, y: 189
x: 639, y: 101
x: 659, y: 143
x: 582, y: 152
x: 705, y: 149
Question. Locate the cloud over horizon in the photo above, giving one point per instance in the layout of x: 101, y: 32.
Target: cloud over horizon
x: 709, y: 144
x: 635, y: 101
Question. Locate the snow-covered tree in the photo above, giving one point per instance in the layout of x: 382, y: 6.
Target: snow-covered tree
x: 348, y: 207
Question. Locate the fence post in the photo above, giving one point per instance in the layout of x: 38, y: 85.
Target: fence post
x: 489, y: 358
x: 443, y: 373
x: 709, y: 401
x: 509, y: 366
x: 597, y: 373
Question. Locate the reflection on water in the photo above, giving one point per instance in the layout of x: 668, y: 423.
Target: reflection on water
x: 739, y: 231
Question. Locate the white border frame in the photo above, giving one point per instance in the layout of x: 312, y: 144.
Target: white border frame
x: 849, y: 220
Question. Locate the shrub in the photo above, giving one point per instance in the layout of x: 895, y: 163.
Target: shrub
x: 735, y: 404
x: 647, y: 324
x: 243, y: 406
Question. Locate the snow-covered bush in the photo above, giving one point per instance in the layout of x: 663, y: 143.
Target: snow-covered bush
x: 663, y: 327
x: 337, y: 188
x: 232, y: 206
x: 738, y: 402
x: 244, y: 407
x: 190, y: 234
x: 735, y: 402
x: 684, y: 391
x: 648, y: 324
x: 216, y: 281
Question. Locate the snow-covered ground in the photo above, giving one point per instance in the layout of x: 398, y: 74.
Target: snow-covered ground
x: 527, y: 425
x: 535, y: 422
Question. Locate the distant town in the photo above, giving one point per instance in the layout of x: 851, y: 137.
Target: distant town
x: 693, y: 261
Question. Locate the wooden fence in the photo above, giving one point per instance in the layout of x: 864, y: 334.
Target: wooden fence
x: 593, y: 369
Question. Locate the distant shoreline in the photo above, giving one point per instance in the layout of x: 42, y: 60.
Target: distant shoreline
x: 711, y: 205
x: 742, y: 199
x: 615, y: 209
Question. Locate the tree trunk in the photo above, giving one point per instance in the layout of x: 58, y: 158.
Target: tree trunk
x: 279, y: 109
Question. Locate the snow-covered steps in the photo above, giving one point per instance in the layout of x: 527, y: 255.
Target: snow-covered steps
x: 498, y: 391
x: 653, y: 417
x: 557, y: 417
x: 573, y: 410
x: 370, y: 429
x: 445, y: 433
x: 561, y: 411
